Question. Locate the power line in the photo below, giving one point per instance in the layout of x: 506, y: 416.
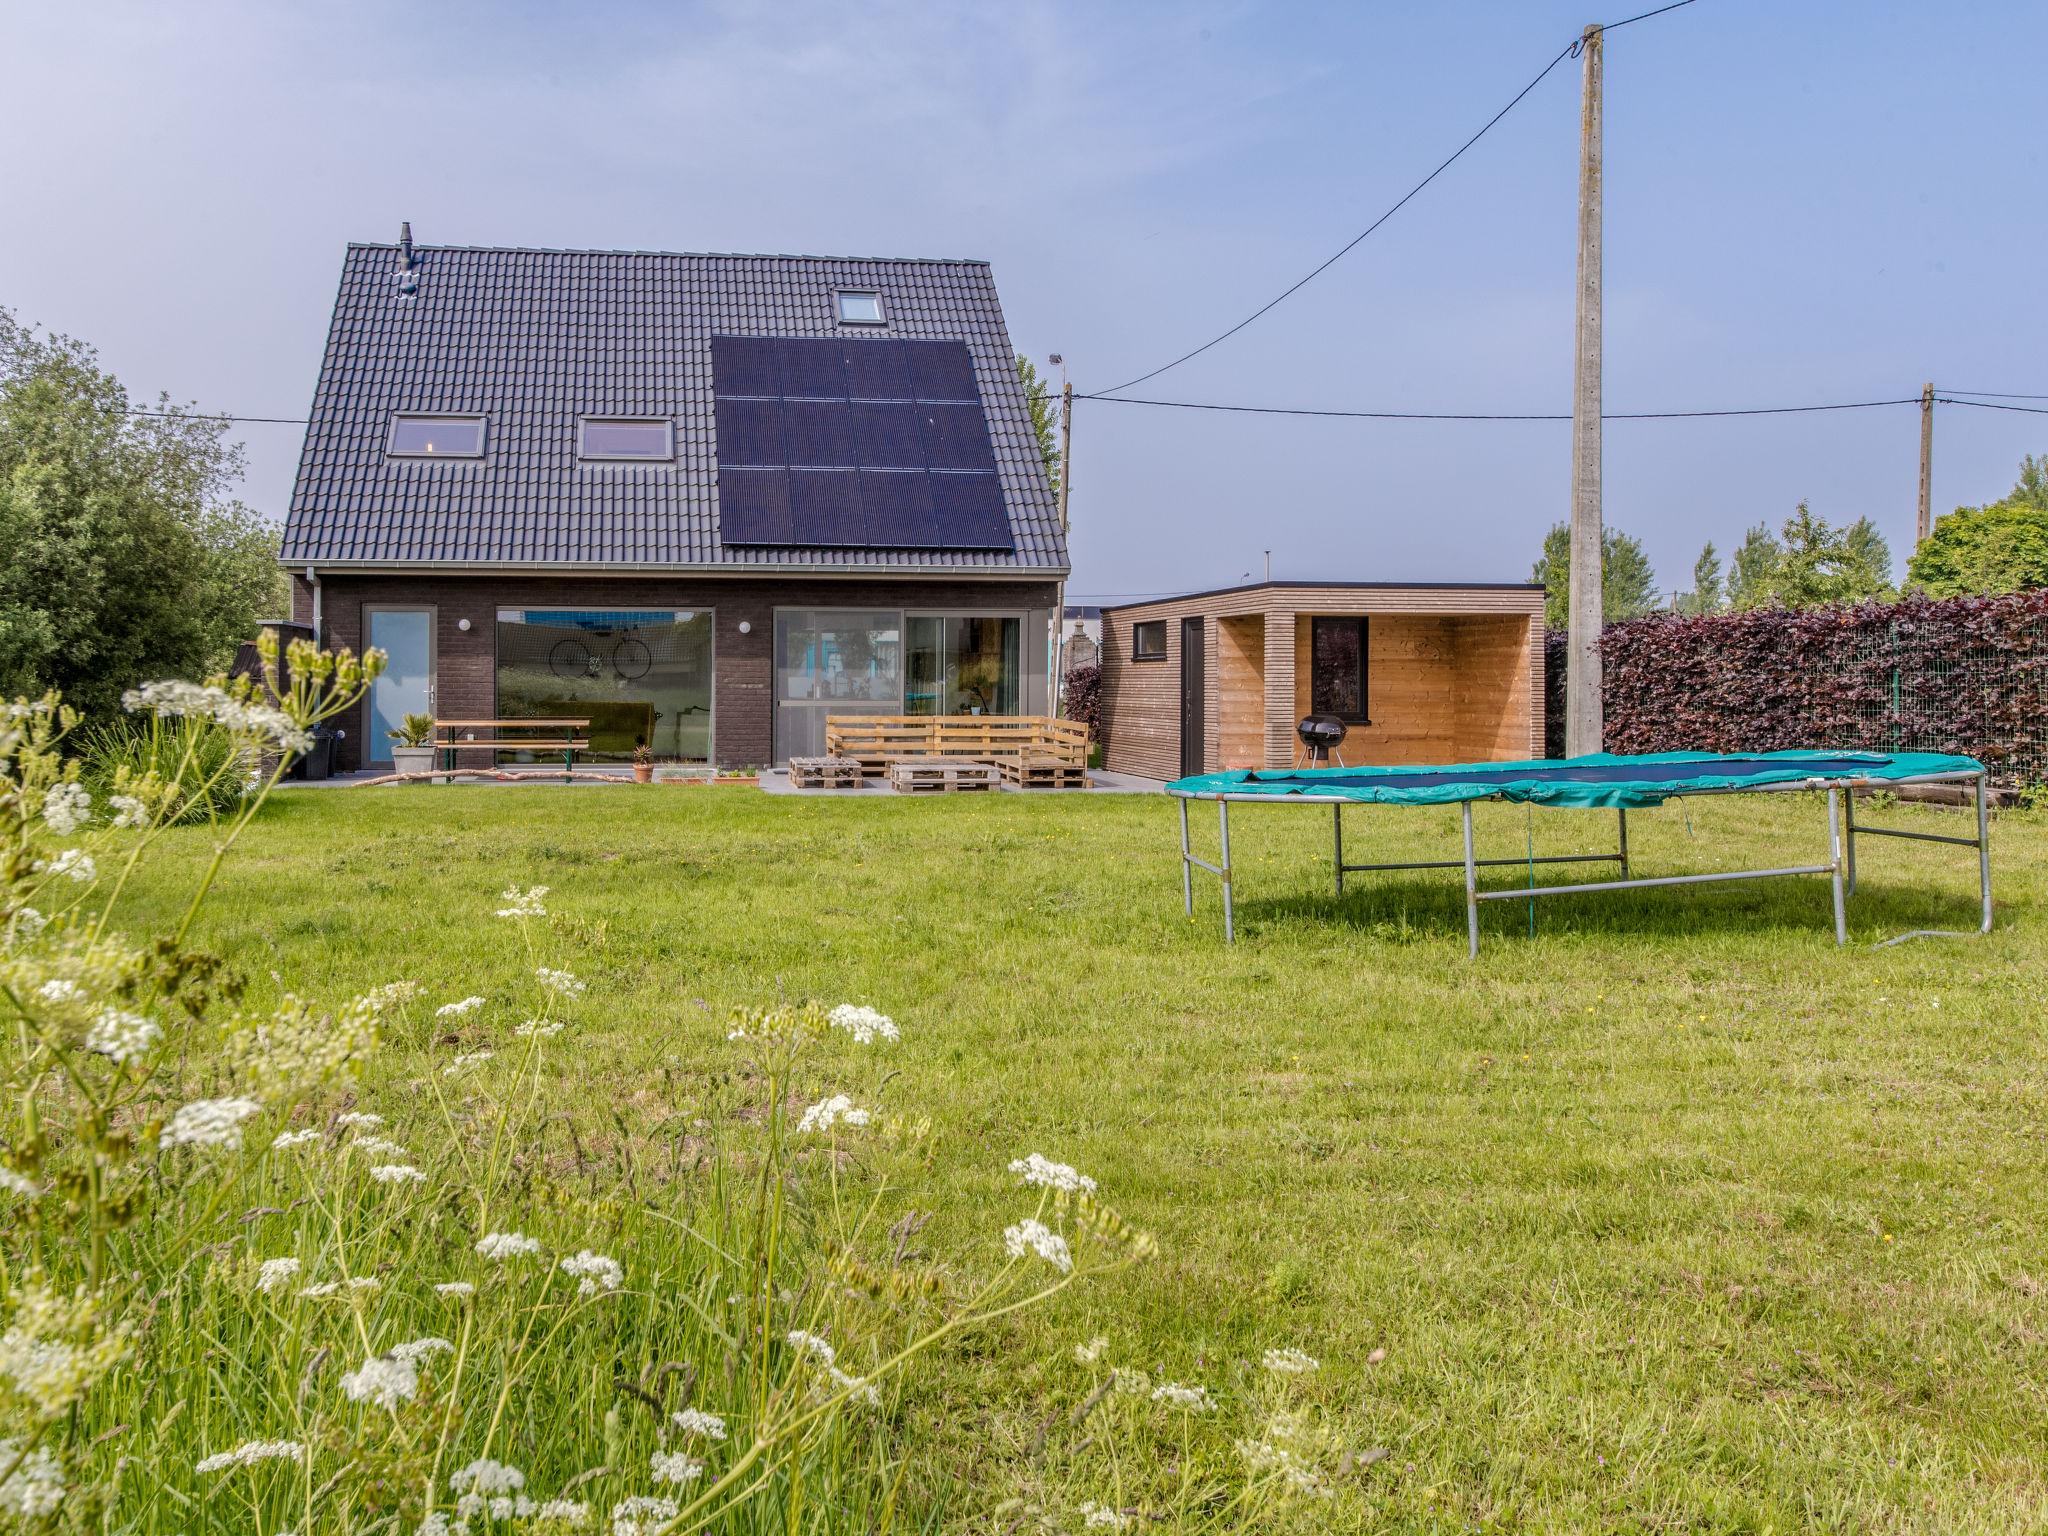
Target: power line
x: 1992, y: 394
x: 1570, y: 50
x: 1988, y: 405
x: 1277, y: 410
x: 274, y: 421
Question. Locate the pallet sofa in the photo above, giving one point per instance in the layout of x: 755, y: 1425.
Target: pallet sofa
x: 1030, y: 751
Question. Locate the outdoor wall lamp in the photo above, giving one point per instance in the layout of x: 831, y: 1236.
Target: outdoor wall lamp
x: 463, y: 625
x: 746, y: 628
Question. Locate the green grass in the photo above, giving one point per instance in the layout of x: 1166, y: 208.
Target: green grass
x: 1671, y: 1217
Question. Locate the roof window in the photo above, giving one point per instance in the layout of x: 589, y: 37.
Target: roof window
x: 633, y: 438
x: 436, y: 437
x: 860, y: 307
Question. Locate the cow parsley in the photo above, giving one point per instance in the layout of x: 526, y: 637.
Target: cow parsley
x: 507, y: 1245
x: 382, y: 1380
x: 459, y: 1008
x: 826, y: 1113
x: 1047, y: 1174
x: 397, y: 1173
x: 66, y: 807
x: 272, y: 1273
x: 864, y: 1023
x: 695, y: 1421
x: 597, y: 1272
x: 562, y: 982
x: 209, y: 1123
x: 675, y: 1467
x: 487, y: 1477
x: 121, y: 1036
x: 1033, y: 1236
x: 1291, y: 1362
x: 526, y: 903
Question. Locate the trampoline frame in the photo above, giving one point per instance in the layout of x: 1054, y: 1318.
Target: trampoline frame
x: 1840, y: 868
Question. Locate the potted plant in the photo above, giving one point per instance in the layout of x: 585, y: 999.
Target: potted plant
x: 413, y: 745
x: 643, y: 763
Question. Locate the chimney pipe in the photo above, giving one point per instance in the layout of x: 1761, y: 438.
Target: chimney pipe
x: 405, y: 245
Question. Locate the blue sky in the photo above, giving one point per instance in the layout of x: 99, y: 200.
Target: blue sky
x: 1804, y: 203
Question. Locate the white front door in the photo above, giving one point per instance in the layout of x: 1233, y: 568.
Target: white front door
x: 406, y: 685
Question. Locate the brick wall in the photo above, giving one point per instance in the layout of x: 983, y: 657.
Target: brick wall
x: 743, y: 664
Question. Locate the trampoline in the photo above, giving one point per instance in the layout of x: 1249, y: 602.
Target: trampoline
x: 1599, y: 780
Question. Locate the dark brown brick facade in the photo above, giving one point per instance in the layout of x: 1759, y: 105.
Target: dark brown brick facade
x: 743, y: 664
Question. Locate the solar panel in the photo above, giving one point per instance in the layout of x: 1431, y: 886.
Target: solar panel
x: 955, y: 437
x: 898, y: 507
x: 941, y: 370
x: 824, y: 507
x: 818, y: 434
x: 885, y: 436
x: 750, y: 433
x: 969, y: 512
x: 876, y: 370
x: 811, y: 370
x: 744, y: 365
x: 753, y: 506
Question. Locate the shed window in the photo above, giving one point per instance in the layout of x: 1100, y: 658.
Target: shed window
x: 1148, y: 640
x: 1337, y: 669
x: 437, y: 437
x: 625, y: 437
x: 860, y: 308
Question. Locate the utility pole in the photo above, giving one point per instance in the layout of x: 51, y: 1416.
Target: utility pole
x: 1057, y: 684
x: 1926, y: 462
x: 1269, y: 567
x: 1584, y: 713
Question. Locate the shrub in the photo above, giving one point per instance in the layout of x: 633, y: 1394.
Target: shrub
x: 202, y: 759
x: 1084, y: 697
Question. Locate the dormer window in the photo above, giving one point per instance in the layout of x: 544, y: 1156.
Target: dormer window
x: 637, y: 439
x: 436, y: 437
x: 860, y: 308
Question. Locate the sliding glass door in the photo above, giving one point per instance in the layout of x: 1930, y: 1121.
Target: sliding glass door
x: 963, y: 664
x: 833, y: 662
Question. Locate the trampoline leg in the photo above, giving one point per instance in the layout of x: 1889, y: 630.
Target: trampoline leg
x: 1984, y: 849
x: 1621, y: 815
x: 1471, y: 889
x: 1229, y: 908
x: 1849, y: 826
x: 1187, y: 873
x: 1835, y: 868
x: 1337, y: 819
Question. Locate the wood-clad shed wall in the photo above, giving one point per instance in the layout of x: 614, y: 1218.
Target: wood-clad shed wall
x: 1455, y: 674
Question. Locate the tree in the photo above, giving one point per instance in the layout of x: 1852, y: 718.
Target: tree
x: 1810, y: 563
x: 1628, y: 586
x: 2032, y: 491
x: 1706, y: 595
x: 1981, y: 551
x: 124, y: 560
x: 1038, y: 400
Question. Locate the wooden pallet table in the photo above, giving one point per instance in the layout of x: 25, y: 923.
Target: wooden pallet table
x: 825, y: 772
x: 1039, y: 771
x: 941, y: 775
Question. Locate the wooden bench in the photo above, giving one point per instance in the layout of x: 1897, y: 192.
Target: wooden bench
x: 1007, y: 742
x: 567, y: 738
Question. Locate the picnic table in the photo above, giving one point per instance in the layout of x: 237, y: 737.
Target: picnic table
x: 568, y: 738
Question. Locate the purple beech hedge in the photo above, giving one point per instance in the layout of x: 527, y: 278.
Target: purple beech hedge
x: 1966, y: 674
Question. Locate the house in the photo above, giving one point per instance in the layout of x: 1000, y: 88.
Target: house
x: 1421, y: 673
x: 699, y: 500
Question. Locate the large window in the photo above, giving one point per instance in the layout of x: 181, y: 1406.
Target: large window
x: 436, y: 437
x: 1337, y: 674
x: 962, y: 666
x: 833, y: 661
x: 639, y: 677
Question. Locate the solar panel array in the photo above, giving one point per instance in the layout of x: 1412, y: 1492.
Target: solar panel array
x: 879, y: 443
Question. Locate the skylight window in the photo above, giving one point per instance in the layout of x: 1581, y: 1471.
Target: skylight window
x: 635, y: 438
x: 860, y: 308
x: 437, y: 437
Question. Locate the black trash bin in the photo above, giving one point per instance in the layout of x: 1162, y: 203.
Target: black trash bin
x: 317, y: 762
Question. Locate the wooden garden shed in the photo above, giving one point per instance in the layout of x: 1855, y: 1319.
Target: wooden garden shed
x: 1420, y: 672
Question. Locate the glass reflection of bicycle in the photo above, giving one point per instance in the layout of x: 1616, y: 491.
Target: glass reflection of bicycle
x: 574, y: 659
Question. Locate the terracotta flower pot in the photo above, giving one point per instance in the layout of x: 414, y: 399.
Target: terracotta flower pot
x: 643, y: 773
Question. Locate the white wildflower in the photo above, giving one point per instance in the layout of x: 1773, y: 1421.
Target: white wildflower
x: 1103, y: 1517
x: 863, y: 1023
x: 35, y: 1489
x: 1033, y: 1236
x: 72, y: 864
x: 362, y: 1282
x: 129, y: 811
x: 595, y: 1271
x: 1291, y: 1362
x: 66, y: 807
x: 272, y: 1273
x: 520, y: 903
x: 507, y: 1245
x: 392, y: 994
x: 813, y: 1346
x: 562, y: 1511
x: 455, y: 1288
x: 1193, y: 1399
x: 250, y: 1452
x: 542, y: 1029
x: 377, y: 1146
x: 562, y: 982
x: 459, y: 1008
x: 54, y: 1348
x: 418, y: 1350
x: 487, y: 1477
x: 465, y: 1061
x: 642, y: 1515
x: 397, y: 1173
x: 324, y: 1288
x: 826, y: 1113
x: 209, y: 1123
x: 383, y: 1381
x: 860, y: 1387
x: 24, y: 927
x: 121, y: 1036
x: 60, y: 992
x: 359, y: 1120
x: 16, y: 1182
x: 696, y: 1421
x: 1046, y: 1173
x: 245, y: 717
x: 284, y: 1140
x: 675, y: 1467
x: 1091, y: 1352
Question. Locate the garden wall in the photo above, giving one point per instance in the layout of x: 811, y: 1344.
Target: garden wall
x: 1966, y: 674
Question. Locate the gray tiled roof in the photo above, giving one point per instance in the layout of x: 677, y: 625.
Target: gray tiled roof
x: 534, y: 339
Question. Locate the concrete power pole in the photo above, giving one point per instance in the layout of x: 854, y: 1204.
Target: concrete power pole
x: 1584, y: 713
x: 1056, y: 685
x: 1926, y: 462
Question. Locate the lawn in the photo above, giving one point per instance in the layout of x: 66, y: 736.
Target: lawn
x: 1672, y: 1216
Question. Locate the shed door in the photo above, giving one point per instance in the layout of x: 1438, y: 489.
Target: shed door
x: 1193, y: 716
